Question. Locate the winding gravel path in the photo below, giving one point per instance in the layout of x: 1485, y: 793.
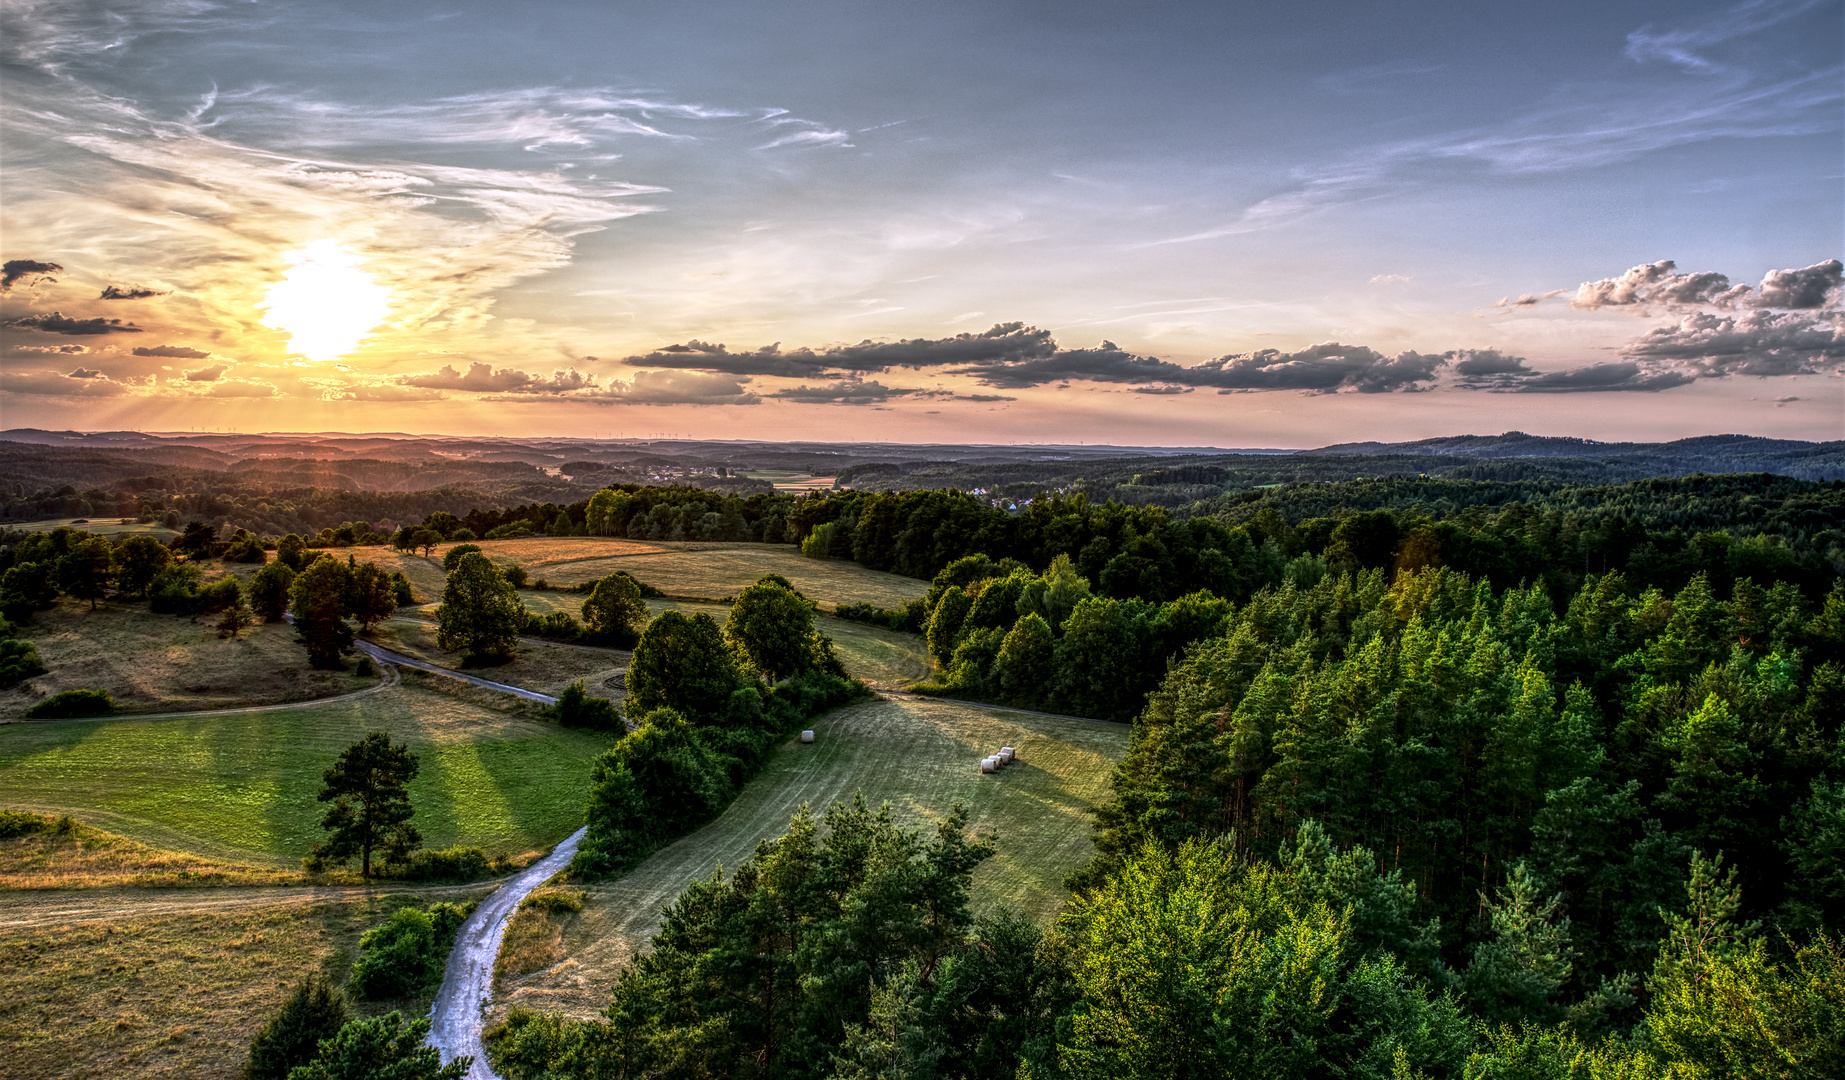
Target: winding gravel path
x: 467, y: 985
x: 390, y: 656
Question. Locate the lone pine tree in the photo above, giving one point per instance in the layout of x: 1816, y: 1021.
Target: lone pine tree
x: 369, y: 789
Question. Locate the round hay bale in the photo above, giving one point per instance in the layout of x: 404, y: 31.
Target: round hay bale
x: 988, y: 765
x: 807, y: 736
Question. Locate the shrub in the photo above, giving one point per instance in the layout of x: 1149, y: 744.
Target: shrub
x: 18, y: 662
x: 13, y: 823
x: 445, y: 864
x: 510, y: 529
x: 515, y: 574
x: 453, y: 555
x: 384, y: 1047
x: 220, y: 594
x: 73, y: 703
x: 909, y: 618
x: 314, y: 1010
x: 400, y: 587
x: 175, y: 591
x: 557, y: 626
x: 577, y: 708
x: 405, y: 955
x: 555, y: 901
x: 463, y: 535
x: 365, y: 668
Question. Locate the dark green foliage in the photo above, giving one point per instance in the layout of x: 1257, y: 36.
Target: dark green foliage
x: 314, y: 1010
x: 245, y: 548
x: 137, y: 560
x: 406, y: 954
x: 320, y: 598
x: 682, y: 663
x: 368, y: 787
x: 556, y: 626
x: 577, y: 708
x: 373, y: 595
x: 195, y: 541
x: 771, y: 627
x: 18, y: 662
x: 384, y: 1047
x: 269, y: 590
x: 910, y: 618
x: 453, y: 556
x: 659, y: 782
x: 1194, y: 964
x: 292, y: 551
x: 480, y: 614
x: 442, y: 864
x: 400, y: 589
x: 765, y: 973
x: 515, y: 574
x: 73, y: 703
x: 219, y: 595
x: 175, y: 590
x: 88, y: 570
x: 615, y: 612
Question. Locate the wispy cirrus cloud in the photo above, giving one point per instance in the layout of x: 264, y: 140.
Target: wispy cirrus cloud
x: 1587, y: 126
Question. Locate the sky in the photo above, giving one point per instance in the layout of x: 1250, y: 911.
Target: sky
x: 1228, y: 224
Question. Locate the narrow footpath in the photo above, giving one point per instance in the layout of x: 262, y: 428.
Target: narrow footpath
x: 467, y: 986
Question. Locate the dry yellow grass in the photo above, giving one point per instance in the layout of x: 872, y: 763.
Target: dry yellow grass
x: 693, y: 570
x: 167, y: 995
x: 535, y: 934
x: 78, y: 856
x: 167, y: 663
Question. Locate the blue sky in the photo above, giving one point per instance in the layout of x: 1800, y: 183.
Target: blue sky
x: 1230, y: 224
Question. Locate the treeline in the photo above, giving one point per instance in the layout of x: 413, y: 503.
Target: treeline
x: 705, y: 706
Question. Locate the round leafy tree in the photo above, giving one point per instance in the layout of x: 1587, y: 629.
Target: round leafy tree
x: 682, y: 663
x: 615, y: 611
x: 481, y: 613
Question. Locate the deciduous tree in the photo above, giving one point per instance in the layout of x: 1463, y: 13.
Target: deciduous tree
x: 269, y: 589
x: 88, y: 570
x: 480, y: 613
x: 615, y: 612
x: 682, y: 663
x: 137, y: 559
x: 319, y: 598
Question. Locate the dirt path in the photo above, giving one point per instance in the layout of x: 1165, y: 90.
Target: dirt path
x: 467, y: 985
x: 44, y: 907
x: 390, y: 657
x: 389, y: 679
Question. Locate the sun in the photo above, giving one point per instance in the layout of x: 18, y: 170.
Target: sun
x: 325, y: 302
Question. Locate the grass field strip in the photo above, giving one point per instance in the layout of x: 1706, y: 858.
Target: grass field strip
x: 919, y: 755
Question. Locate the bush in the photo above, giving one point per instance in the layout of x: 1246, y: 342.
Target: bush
x: 18, y: 662
x: 909, y: 618
x: 73, y: 703
x: 406, y: 954
x: 515, y: 574
x: 557, y: 626
x: 453, y: 555
x: 175, y: 591
x: 365, y: 668
x: 384, y: 1047
x: 555, y: 901
x: 220, y: 594
x: 445, y: 864
x: 463, y: 535
x: 510, y: 529
x: 400, y: 588
x: 13, y: 823
x: 314, y: 1010
x: 577, y: 708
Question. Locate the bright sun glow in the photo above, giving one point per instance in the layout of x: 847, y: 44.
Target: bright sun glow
x: 325, y: 302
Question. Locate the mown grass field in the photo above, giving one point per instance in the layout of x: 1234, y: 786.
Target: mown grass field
x: 922, y: 757
x: 699, y: 570
x: 171, y: 994
x: 72, y: 855
x: 242, y: 788
x: 111, y: 527
x: 167, y: 663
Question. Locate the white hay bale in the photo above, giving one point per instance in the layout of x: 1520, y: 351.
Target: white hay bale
x: 1007, y: 754
x: 807, y: 736
x: 988, y: 765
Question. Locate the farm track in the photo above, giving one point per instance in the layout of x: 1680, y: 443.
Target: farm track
x: 26, y: 908
x: 389, y: 678
x: 390, y: 657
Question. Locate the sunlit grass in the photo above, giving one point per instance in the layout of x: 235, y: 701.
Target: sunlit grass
x: 243, y: 787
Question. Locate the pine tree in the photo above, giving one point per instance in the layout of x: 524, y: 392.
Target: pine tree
x: 369, y: 789
x: 314, y: 1010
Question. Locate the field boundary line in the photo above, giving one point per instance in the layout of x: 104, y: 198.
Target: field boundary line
x: 387, y: 680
